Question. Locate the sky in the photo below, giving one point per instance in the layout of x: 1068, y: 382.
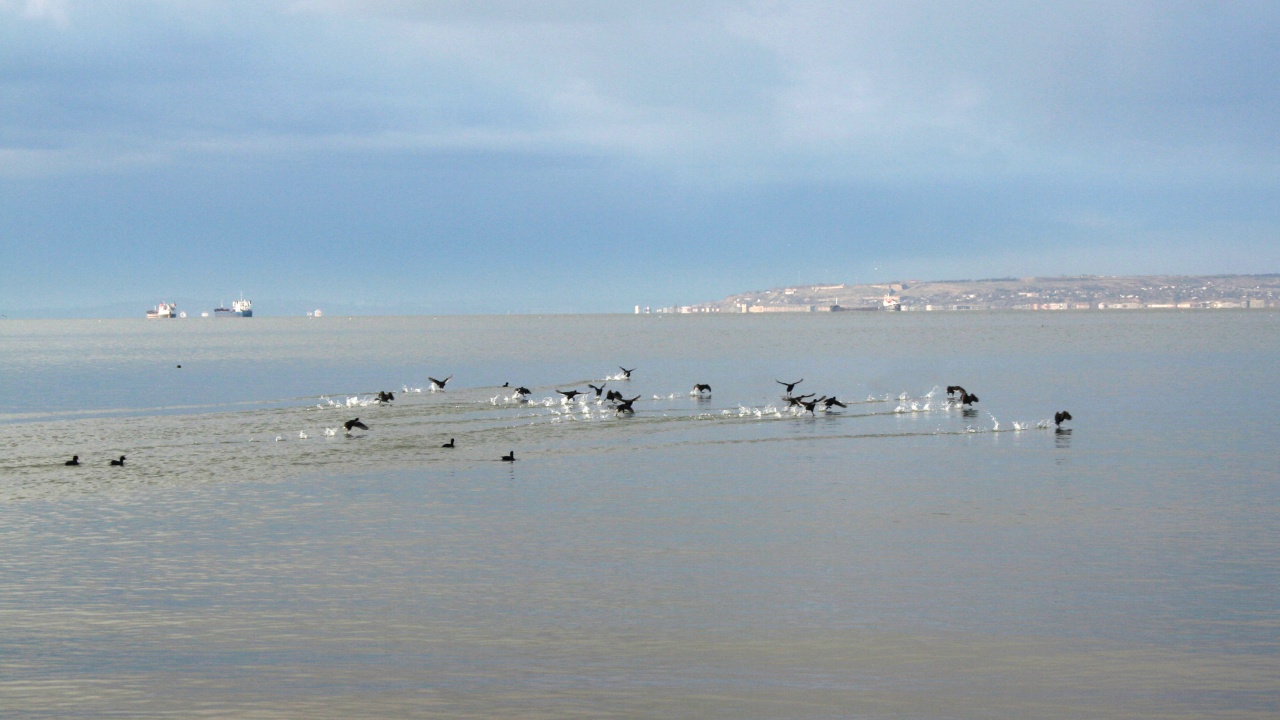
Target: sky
x: 512, y: 156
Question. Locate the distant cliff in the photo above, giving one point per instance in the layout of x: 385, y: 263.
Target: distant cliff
x: 1081, y: 292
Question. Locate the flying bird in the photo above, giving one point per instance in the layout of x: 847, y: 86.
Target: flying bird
x: 624, y: 406
x: 1060, y: 417
x: 797, y: 400
x: 832, y: 401
x: 809, y: 405
x: 439, y: 383
x: 790, y: 385
x: 385, y: 397
x: 354, y: 423
x: 965, y: 397
x: 597, y: 389
x: 701, y: 388
x: 522, y: 390
x: 626, y: 374
x: 570, y: 394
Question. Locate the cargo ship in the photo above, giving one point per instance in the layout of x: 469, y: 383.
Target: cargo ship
x: 163, y: 310
x: 239, y: 308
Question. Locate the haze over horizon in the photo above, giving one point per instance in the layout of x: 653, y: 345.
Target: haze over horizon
x: 390, y: 156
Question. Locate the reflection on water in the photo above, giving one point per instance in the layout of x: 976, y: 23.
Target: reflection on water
x: 704, y: 557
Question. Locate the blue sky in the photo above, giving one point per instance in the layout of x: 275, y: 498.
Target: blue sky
x: 389, y: 156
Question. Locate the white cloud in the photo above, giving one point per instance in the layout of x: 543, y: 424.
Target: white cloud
x: 41, y: 162
x: 54, y: 11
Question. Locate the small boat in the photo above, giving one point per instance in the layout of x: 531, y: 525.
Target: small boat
x: 239, y: 308
x: 163, y: 310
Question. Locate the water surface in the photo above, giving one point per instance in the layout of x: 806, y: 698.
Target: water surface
x: 702, y: 558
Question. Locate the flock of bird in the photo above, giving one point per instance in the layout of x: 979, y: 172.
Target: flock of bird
x: 622, y: 405
x: 75, y: 460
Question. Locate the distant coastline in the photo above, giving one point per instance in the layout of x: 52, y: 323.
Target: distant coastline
x: 1076, y: 292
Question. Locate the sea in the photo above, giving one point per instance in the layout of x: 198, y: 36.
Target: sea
x: 709, y: 555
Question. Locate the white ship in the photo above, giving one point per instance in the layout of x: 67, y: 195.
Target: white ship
x: 163, y: 310
x: 239, y: 308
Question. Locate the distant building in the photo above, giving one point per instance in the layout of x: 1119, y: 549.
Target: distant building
x: 779, y: 308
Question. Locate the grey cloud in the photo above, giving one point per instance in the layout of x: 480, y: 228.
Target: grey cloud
x: 728, y: 88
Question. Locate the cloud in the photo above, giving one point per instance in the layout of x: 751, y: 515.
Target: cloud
x: 760, y: 90
x: 18, y: 163
x: 54, y: 11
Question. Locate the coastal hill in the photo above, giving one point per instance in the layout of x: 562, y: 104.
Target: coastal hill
x: 1080, y: 292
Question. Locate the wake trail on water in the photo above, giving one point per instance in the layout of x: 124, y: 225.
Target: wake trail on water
x: 270, y: 440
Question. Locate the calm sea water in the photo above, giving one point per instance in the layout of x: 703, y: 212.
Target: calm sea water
x: 718, y: 557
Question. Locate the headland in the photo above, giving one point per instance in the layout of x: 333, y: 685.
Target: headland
x: 1077, y: 292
